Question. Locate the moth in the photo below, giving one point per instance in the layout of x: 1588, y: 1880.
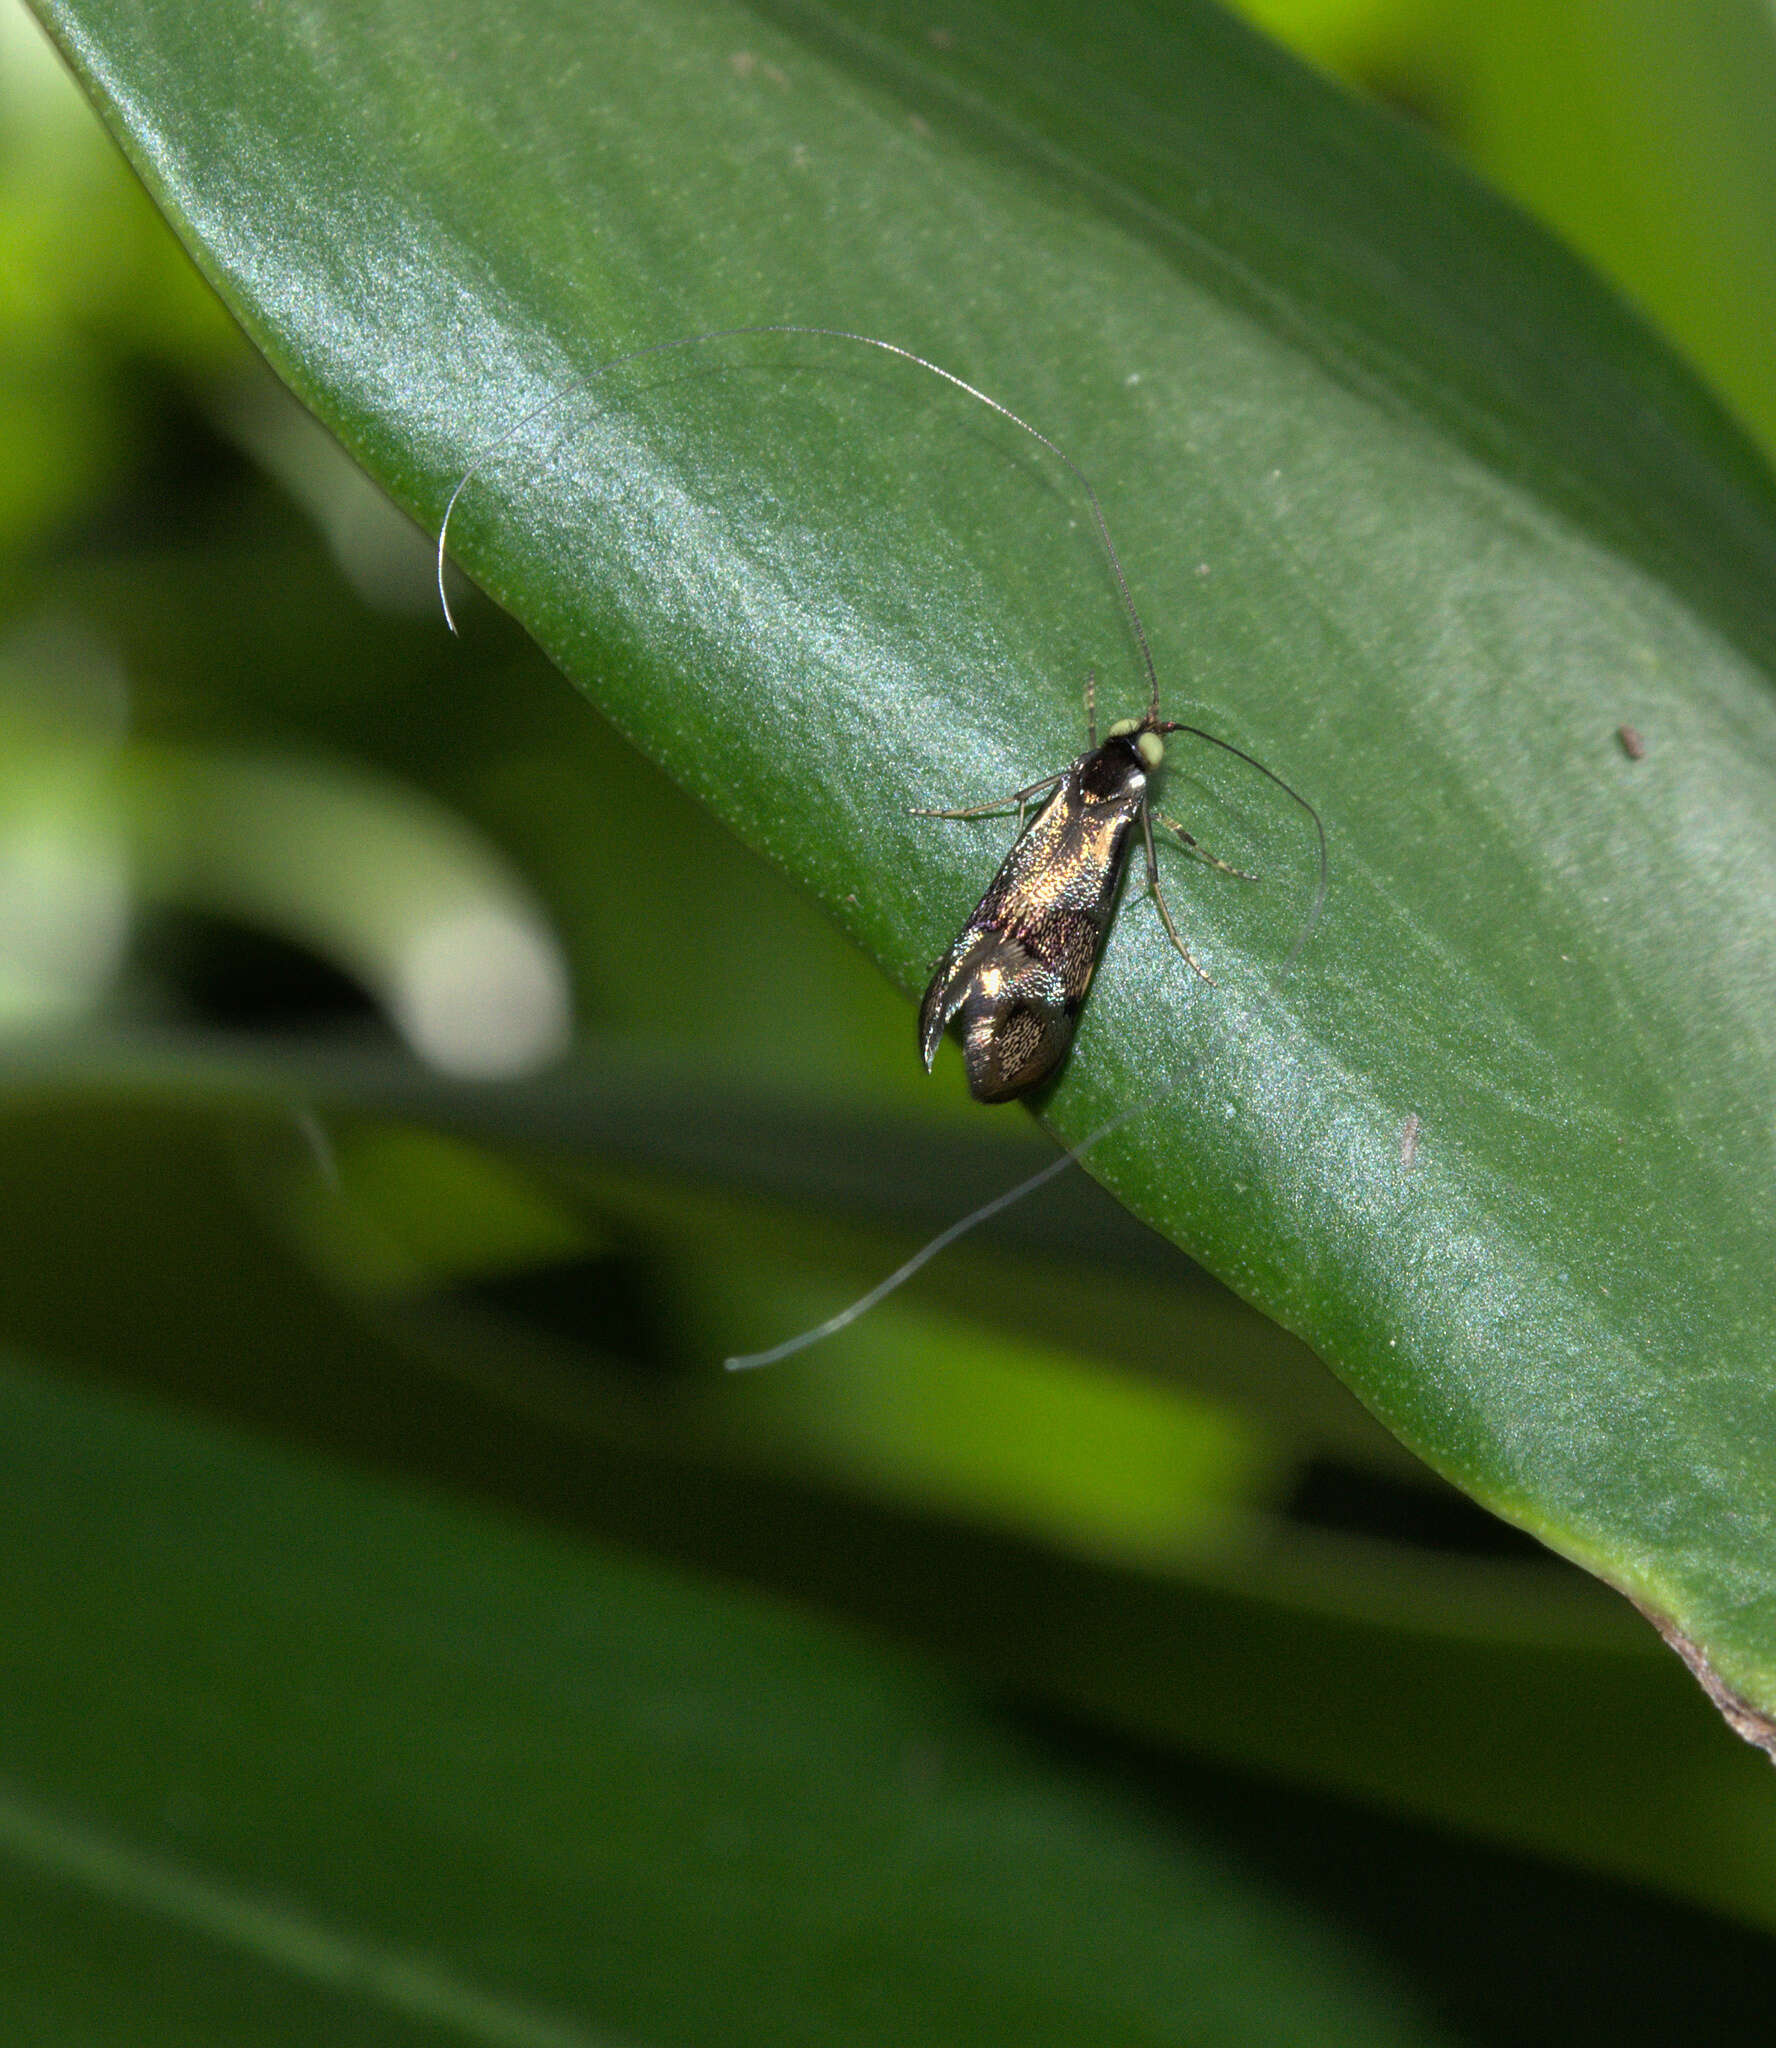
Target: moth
x: 1016, y: 978
x: 1014, y: 981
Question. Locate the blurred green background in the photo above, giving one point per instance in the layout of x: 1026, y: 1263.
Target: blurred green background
x: 379, y: 1205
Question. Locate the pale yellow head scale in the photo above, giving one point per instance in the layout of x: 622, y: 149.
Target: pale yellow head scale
x: 1149, y: 746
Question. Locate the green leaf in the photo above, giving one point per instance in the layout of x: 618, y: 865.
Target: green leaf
x: 1466, y: 1689
x: 1645, y: 135
x: 1414, y: 511
x: 292, y: 1756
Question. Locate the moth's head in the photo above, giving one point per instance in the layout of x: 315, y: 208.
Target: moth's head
x: 1145, y: 734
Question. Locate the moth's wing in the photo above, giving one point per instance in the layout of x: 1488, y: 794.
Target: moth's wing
x: 950, y: 986
x: 957, y: 973
x: 1017, y: 1022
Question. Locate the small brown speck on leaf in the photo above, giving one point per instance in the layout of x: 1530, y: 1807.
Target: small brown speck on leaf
x: 1632, y: 743
x: 1409, y: 1142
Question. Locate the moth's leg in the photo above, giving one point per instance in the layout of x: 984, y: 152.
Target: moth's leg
x: 1159, y: 902
x: 1018, y: 799
x: 1195, y: 845
x: 1091, y: 709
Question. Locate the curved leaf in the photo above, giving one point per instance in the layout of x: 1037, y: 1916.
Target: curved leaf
x: 1414, y: 511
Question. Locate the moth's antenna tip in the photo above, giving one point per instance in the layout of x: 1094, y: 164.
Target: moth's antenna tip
x: 748, y: 1361
x: 443, y: 591
x: 945, y: 1238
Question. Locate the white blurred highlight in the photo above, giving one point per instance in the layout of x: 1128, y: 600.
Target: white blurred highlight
x: 481, y: 994
x: 65, y: 893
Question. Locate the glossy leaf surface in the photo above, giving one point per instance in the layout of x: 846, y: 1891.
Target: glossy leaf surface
x: 1414, y: 513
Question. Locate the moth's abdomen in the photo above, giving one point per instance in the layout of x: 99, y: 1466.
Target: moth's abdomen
x: 1014, y: 1009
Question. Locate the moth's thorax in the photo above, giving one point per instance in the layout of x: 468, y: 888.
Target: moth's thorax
x: 1117, y: 771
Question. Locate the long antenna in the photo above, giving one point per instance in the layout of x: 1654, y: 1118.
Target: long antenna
x: 890, y: 348
x: 944, y: 1239
x: 1288, y: 789
x: 907, y: 355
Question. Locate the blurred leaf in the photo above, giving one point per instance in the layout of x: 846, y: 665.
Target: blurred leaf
x: 508, y: 1791
x: 1467, y: 1690
x: 1644, y: 134
x: 88, y: 299
x: 1419, y: 513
